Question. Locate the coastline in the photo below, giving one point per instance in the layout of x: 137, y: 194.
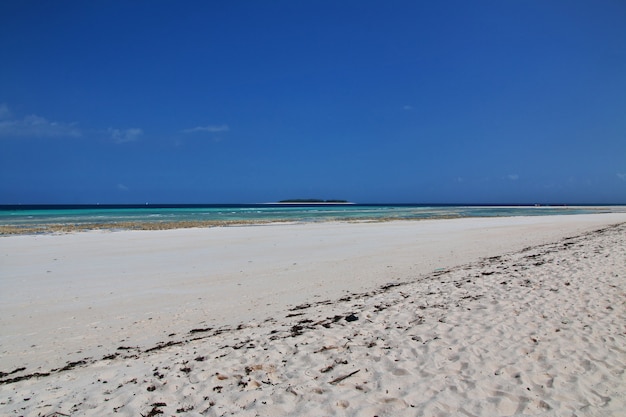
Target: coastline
x: 72, y: 224
x: 80, y: 298
x: 6, y: 230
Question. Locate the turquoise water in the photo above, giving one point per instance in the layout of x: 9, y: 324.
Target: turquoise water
x: 76, y: 215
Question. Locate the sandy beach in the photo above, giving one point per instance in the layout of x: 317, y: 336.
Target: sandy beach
x: 473, y: 317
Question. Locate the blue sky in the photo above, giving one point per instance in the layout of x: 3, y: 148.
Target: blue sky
x: 256, y: 101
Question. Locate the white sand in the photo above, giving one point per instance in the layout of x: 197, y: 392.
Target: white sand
x: 537, y: 332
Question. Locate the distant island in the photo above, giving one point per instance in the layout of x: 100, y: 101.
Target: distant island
x: 312, y: 201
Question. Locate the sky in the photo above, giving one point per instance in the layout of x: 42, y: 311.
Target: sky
x: 257, y: 101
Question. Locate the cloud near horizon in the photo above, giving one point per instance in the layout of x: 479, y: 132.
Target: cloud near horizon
x: 5, y: 113
x: 207, y: 129
x: 125, y: 135
x: 34, y: 126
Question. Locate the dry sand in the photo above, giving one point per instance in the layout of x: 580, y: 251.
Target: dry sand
x: 474, y: 317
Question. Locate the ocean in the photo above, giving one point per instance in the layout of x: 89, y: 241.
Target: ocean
x: 84, y: 216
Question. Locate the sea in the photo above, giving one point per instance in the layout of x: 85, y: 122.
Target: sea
x: 81, y: 215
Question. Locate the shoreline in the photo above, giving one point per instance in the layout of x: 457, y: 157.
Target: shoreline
x: 391, y: 270
x: 68, y: 227
x: 126, y: 226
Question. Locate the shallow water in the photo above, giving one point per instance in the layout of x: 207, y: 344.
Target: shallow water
x: 30, y: 216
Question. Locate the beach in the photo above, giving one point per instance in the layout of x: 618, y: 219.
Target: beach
x: 474, y: 316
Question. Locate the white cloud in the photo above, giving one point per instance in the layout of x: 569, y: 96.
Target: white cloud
x: 125, y: 135
x: 5, y: 113
x: 407, y: 107
x: 513, y: 177
x: 34, y: 126
x: 122, y: 187
x: 208, y: 129
x: 621, y: 176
